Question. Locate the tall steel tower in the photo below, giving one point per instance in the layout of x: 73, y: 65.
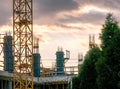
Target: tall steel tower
x: 23, y: 44
x: 91, y: 41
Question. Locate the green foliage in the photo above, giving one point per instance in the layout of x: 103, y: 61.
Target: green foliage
x: 119, y: 84
x: 87, y: 75
x: 101, y: 69
x: 75, y: 83
x: 108, y: 65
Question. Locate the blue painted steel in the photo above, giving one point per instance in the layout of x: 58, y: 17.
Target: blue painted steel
x: 60, y: 62
x: 8, y: 57
x: 37, y: 58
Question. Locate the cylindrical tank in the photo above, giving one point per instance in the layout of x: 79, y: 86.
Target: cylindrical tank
x: 60, y: 62
x: 8, y: 56
x: 37, y: 58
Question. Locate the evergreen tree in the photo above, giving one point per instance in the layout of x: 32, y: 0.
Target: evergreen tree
x: 108, y: 65
x: 87, y: 75
x: 75, y: 82
x: 102, y: 71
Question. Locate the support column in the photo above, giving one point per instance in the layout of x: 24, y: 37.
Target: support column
x: 1, y: 84
x: 48, y: 86
x: 63, y: 86
x: 5, y: 85
x: 9, y: 84
x: 56, y: 86
x: 44, y: 86
x: 36, y: 87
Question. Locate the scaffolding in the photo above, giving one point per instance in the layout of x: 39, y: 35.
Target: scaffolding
x: 91, y: 41
x: 1, y: 51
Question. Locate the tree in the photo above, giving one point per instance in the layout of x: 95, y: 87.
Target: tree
x: 102, y: 71
x: 75, y: 82
x: 108, y: 65
x: 88, y: 74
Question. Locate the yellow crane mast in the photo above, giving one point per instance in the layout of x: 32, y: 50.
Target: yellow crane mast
x: 23, y: 44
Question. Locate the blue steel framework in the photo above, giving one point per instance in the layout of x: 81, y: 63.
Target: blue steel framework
x: 60, y: 62
x: 8, y: 54
x: 36, y: 64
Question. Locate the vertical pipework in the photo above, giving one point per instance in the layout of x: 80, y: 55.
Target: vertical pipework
x: 60, y: 62
x: 37, y: 58
x: 8, y: 56
x: 91, y: 41
x: 80, y: 59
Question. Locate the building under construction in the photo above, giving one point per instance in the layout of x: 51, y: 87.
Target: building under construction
x: 58, y: 77
x: 21, y: 63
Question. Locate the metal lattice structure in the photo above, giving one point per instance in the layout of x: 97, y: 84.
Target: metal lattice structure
x: 23, y: 44
x: 91, y: 41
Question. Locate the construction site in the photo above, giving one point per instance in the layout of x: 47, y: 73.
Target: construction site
x: 20, y: 64
x: 57, y: 77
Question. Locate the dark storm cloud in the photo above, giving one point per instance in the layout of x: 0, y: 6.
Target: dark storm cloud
x: 5, y: 11
x: 42, y: 8
x: 51, y: 7
x: 93, y: 17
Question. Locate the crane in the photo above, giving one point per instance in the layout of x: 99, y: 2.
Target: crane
x: 23, y: 44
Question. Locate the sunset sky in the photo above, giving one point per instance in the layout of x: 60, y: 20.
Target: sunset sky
x: 64, y: 23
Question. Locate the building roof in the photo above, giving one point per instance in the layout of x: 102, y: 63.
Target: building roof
x: 41, y: 80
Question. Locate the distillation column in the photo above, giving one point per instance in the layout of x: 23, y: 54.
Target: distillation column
x: 8, y: 53
x: 37, y: 57
x: 60, y: 62
x: 23, y: 44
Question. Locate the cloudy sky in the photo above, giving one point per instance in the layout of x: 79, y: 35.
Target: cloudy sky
x: 63, y: 23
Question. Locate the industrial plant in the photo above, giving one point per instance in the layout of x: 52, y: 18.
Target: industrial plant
x: 58, y: 77
x: 21, y: 65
